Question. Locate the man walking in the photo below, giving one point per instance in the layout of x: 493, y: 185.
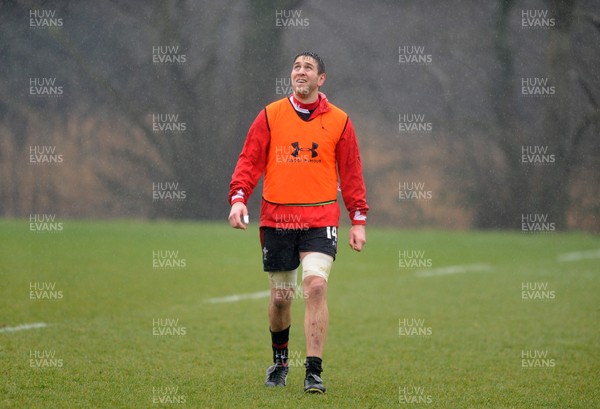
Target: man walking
x: 307, y: 150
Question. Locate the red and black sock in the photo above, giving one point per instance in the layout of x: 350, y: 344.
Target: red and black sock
x: 313, y: 365
x: 279, y: 342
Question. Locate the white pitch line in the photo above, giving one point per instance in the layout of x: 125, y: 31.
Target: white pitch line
x: 467, y: 268
x: 578, y: 255
x: 240, y: 297
x: 24, y: 327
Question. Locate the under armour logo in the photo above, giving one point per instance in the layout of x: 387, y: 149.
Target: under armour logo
x: 297, y: 149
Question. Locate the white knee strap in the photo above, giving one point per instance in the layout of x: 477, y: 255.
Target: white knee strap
x: 316, y: 264
x: 282, y: 280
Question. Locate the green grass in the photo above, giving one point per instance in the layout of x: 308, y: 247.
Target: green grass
x: 102, y: 327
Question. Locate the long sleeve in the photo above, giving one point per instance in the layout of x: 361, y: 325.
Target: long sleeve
x: 351, y: 178
x: 251, y: 162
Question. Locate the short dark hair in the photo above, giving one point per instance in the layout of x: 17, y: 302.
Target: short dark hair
x: 314, y: 56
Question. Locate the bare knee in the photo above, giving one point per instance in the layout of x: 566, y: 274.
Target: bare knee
x: 281, y: 299
x: 315, y: 288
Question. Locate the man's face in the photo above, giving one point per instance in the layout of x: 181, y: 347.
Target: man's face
x: 305, y: 77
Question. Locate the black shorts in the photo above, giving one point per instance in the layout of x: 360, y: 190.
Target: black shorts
x: 281, y: 247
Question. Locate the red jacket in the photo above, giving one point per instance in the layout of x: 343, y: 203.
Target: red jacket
x: 251, y: 166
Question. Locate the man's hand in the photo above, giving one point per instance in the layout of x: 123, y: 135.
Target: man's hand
x: 358, y: 237
x: 238, y: 211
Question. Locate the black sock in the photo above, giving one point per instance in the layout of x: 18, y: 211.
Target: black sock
x: 279, y: 343
x: 313, y: 365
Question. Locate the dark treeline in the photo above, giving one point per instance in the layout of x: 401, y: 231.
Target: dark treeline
x: 469, y: 114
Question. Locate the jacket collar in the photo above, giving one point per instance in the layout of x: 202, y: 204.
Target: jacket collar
x: 322, y: 107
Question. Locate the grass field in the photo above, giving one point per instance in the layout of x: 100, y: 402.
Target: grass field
x: 123, y: 334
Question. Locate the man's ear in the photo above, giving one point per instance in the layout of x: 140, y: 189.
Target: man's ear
x: 322, y: 78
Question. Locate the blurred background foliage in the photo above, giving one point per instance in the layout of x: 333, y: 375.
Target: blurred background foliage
x: 236, y: 60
